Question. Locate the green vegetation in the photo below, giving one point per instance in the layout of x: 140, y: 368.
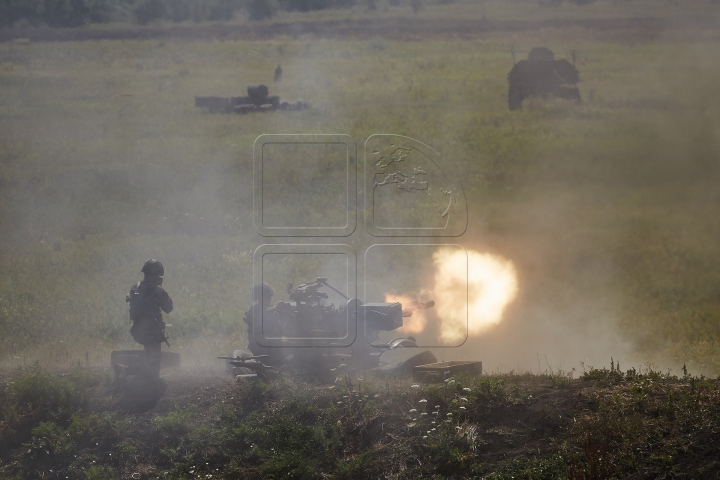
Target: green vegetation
x: 40, y: 396
x: 610, y: 205
x: 77, y: 13
x: 608, y: 210
x: 644, y: 415
x: 641, y: 423
x: 56, y: 13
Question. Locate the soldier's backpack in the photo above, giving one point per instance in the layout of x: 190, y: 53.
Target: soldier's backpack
x: 144, y: 330
x: 137, y: 302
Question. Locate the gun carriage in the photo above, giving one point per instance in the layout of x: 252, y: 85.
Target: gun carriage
x: 315, y: 336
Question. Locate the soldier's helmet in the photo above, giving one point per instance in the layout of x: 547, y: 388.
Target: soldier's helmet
x: 261, y: 290
x: 541, y: 54
x: 153, y: 267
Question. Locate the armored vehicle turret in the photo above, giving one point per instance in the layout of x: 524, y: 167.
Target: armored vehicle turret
x: 542, y: 76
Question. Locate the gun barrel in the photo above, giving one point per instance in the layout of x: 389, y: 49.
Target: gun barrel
x: 420, y: 305
x: 407, y: 312
x: 425, y: 305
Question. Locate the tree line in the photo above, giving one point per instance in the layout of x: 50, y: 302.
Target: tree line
x: 76, y: 13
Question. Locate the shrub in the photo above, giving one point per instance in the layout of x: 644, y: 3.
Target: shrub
x: 614, y: 374
x: 104, y: 428
x: 175, y: 424
x: 100, y: 473
x: 41, y: 396
x: 533, y: 468
x: 49, y: 439
x: 294, y: 444
x: 353, y: 467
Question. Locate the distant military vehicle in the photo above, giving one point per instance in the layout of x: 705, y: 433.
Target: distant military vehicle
x: 542, y: 76
x: 308, y: 315
x: 258, y: 99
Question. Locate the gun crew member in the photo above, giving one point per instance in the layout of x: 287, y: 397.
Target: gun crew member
x: 267, y: 323
x: 147, y: 301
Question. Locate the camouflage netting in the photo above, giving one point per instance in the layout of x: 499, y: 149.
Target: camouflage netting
x: 542, y: 76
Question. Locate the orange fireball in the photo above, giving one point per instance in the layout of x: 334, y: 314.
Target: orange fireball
x: 471, y: 292
x: 415, y: 323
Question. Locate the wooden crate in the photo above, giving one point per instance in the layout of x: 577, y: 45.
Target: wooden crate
x: 437, y: 372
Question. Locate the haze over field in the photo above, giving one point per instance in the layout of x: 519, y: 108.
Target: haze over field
x: 596, y: 222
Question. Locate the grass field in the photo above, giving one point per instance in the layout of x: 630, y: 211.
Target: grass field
x: 608, y: 209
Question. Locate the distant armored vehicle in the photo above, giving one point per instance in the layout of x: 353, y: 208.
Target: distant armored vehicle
x: 542, y: 76
x: 257, y: 100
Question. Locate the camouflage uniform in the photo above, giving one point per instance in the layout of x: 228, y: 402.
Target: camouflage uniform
x: 147, y: 301
x: 268, y: 324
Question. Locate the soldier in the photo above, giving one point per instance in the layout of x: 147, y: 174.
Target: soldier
x: 278, y: 74
x: 267, y: 321
x: 147, y: 301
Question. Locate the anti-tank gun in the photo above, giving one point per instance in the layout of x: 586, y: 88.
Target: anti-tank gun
x: 313, y: 310
x: 310, y: 315
x: 318, y: 333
